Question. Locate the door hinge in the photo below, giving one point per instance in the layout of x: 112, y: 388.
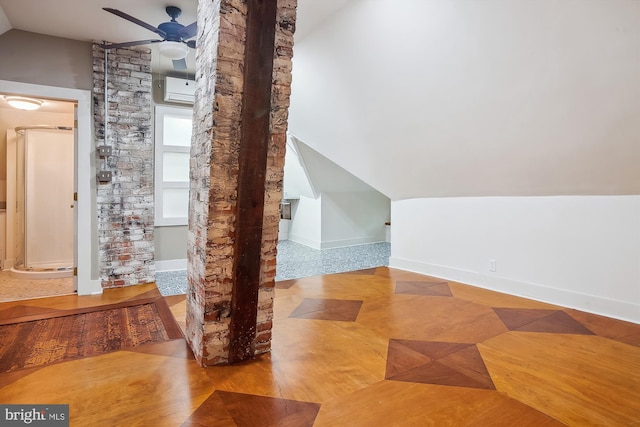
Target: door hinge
x: 75, y: 124
x: 75, y: 197
x: 75, y: 271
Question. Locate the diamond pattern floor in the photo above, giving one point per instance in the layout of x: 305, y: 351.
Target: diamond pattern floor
x: 377, y: 347
x: 532, y: 320
x: 452, y: 364
x: 244, y: 410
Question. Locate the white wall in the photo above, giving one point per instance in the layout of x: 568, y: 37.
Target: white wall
x: 432, y: 98
x: 306, y: 223
x: 295, y: 182
x: 353, y: 218
x: 339, y: 219
x: 334, y: 208
x: 581, y: 252
x: 502, y: 129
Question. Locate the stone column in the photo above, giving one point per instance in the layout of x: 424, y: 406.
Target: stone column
x: 215, y: 163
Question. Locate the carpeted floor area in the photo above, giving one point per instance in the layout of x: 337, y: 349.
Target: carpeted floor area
x: 12, y: 288
x: 296, y: 261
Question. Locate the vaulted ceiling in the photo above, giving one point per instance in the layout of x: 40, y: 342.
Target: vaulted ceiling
x: 428, y: 98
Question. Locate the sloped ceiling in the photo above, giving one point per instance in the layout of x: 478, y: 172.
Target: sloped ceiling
x: 425, y: 98
x: 315, y: 174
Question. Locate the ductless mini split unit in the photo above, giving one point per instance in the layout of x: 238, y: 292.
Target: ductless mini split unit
x: 179, y: 90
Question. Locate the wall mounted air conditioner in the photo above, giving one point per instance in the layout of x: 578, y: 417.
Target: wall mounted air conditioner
x: 179, y: 90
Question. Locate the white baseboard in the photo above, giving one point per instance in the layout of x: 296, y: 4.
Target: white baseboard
x: 171, y: 264
x: 93, y: 287
x: 326, y: 244
x: 593, y: 304
x: 304, y: 241
x: 330, y: 244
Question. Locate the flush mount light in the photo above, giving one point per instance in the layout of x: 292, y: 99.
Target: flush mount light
x: 23, y: 103
x: 173, y: 50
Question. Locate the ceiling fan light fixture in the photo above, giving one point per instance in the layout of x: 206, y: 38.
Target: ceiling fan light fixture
x: 173, y: 50
x: 24, y: 103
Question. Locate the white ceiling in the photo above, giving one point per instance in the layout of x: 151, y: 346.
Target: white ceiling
x: 86, y: 21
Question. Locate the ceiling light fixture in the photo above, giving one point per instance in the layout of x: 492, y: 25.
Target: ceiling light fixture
x: 173, y: 50
x: 23, y: 103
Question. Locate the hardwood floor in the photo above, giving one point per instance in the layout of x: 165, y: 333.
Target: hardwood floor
x: 379, y: 347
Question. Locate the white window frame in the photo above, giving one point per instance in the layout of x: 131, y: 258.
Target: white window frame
x: 160, y: 148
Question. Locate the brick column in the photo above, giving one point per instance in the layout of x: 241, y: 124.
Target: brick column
x: 214, y: 175
x: 125, y: 205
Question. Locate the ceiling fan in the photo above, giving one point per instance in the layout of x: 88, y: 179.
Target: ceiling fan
x: 175, y: 41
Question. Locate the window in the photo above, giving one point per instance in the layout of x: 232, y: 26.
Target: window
x: 172, y: 143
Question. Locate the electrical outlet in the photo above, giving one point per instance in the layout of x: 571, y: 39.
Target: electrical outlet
x: 492, y: 265
x: 104, y: 150
x: 104, y: 176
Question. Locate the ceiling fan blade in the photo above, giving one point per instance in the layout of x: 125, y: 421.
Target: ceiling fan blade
x: 136, y: 21
x: 189, y: 31
x: 128, y: 44
x: 191, y: 44
x: 179, y: 64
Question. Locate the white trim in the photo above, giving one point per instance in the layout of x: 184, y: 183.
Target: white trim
x: 10, y: 150
x: 593, y: 304
x: 86, y: 227
x: 326, y: 244
x: 171, y: 265
x: 314, y: 244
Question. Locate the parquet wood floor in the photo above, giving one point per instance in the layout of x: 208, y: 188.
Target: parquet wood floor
x: 379, y: 347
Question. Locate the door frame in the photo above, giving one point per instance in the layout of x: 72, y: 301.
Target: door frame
x: 85, y: 255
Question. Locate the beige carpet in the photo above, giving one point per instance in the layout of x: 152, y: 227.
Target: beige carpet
x: 12, y: 289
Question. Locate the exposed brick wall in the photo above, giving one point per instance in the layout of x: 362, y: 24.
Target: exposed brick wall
x: 125, y: 205
x: 212, y: 190
x: 214, y: 173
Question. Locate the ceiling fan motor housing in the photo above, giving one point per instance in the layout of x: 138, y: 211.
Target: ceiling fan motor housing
x: 171, y: 30
x: 173, y: 12
x: 172, y: 27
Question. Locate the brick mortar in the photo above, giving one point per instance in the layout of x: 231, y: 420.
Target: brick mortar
x: 214, y: 172
x: 125, y: 206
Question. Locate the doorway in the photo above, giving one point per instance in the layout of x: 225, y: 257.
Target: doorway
x: 38, y: 174
x: 85, y: 252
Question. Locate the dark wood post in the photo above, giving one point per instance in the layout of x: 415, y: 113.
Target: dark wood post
x: 254, y: 141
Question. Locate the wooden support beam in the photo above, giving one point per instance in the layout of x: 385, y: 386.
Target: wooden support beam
x: 254, y: 142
